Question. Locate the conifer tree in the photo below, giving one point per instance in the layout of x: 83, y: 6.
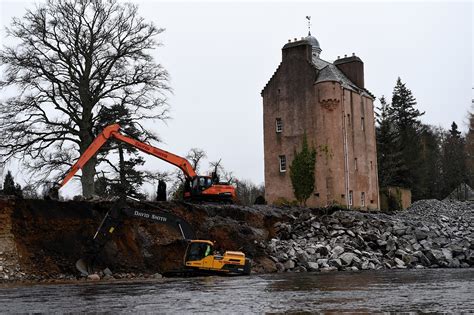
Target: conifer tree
x: 405, y: 118
x: 390, y: 168
x: 470, y: 150
x: 430, y: 183
x: 9, y: 186
x: 125, y: 179
x: 302, y: 172
x: 454, y: 158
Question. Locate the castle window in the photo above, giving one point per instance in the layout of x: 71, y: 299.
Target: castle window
x: 355, y: 164
x: 282, y: 163
x: 349, y: 119
x: 350, y: 198
x: 362, y: 123
x: 362, y: 199
x: 371, y: 165
x: 279, y: 125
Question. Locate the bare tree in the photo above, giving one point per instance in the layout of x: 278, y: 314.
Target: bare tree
x: 194, y: 156
x: 247, y: 192
x: 221, y: 174
x: 74, y: 58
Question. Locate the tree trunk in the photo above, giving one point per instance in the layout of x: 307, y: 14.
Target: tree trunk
x: 87, y: 179
x: 88, y: 171
x: 123, y: 179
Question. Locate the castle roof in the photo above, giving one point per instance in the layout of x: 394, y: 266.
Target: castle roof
x: 326, y: 71
x: 329, y: 72
x: 312, y: 41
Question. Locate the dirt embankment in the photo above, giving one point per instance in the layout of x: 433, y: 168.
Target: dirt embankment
x: 42, y: 239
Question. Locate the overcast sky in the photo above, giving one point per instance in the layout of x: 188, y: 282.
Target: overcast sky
x: 221, y: 55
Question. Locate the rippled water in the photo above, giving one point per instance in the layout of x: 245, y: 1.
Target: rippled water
x: 437, y: 290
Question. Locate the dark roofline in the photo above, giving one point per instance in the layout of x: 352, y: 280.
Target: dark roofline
x: 271, y: 78
x: 297, y: 43
x: 346, y: 60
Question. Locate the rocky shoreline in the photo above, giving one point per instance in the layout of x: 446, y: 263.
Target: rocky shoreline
x: 430, y: 234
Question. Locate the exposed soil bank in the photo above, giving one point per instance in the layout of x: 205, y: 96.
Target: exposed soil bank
x: 41, y: 240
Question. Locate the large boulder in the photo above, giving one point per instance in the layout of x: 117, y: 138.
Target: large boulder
x: 289, y: 264
x: 312, y: 266
x: 347, y: 258
x: 337, y: 251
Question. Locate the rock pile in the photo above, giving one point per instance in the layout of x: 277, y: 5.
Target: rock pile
x: 429, y: 234
x: 9, y: 268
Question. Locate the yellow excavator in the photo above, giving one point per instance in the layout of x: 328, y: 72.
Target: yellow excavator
x: 199, y: 258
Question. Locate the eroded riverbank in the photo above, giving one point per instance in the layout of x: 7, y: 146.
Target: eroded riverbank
x: 41, y: 240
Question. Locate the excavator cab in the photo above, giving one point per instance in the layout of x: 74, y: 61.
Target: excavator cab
x: 206, y: 188
x: 198, y: 250
x: 201, y: 183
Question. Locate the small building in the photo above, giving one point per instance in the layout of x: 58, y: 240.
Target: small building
x: 330, y: 104
x: 394, y: 198
x: 463, y: 193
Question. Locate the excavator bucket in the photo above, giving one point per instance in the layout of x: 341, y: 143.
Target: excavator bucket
x: 84, y: 267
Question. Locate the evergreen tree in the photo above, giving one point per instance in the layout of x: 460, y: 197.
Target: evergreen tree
x: 126, y: 179
x: 390, y: 168
x: 402, y: 111
x: 405, y: 117
x: 302, y: 172
x: 430, y: 171
x: 453, y: 161
x: 470, y: 150
x: 9, y: 186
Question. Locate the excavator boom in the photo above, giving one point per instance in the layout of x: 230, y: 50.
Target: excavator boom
x: 196, y: 187
x: 113, y: 131
x: 90, y: 152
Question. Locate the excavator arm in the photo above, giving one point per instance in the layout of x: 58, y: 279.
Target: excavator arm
x: 113, y: 131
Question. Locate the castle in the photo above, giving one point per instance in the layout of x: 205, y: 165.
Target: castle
x: 329, y: 103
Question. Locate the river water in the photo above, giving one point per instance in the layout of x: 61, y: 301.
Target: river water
x: 435, y: 290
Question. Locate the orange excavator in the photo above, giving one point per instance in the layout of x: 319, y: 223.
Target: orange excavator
x: 196, y: 187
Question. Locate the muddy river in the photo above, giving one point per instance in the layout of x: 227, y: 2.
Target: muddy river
x: 438, y: 290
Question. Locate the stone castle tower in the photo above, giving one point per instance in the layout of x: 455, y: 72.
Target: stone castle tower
x: 328, y: 102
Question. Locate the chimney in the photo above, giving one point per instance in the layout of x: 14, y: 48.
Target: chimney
x: 353, y: 69
x: 297, y: 50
